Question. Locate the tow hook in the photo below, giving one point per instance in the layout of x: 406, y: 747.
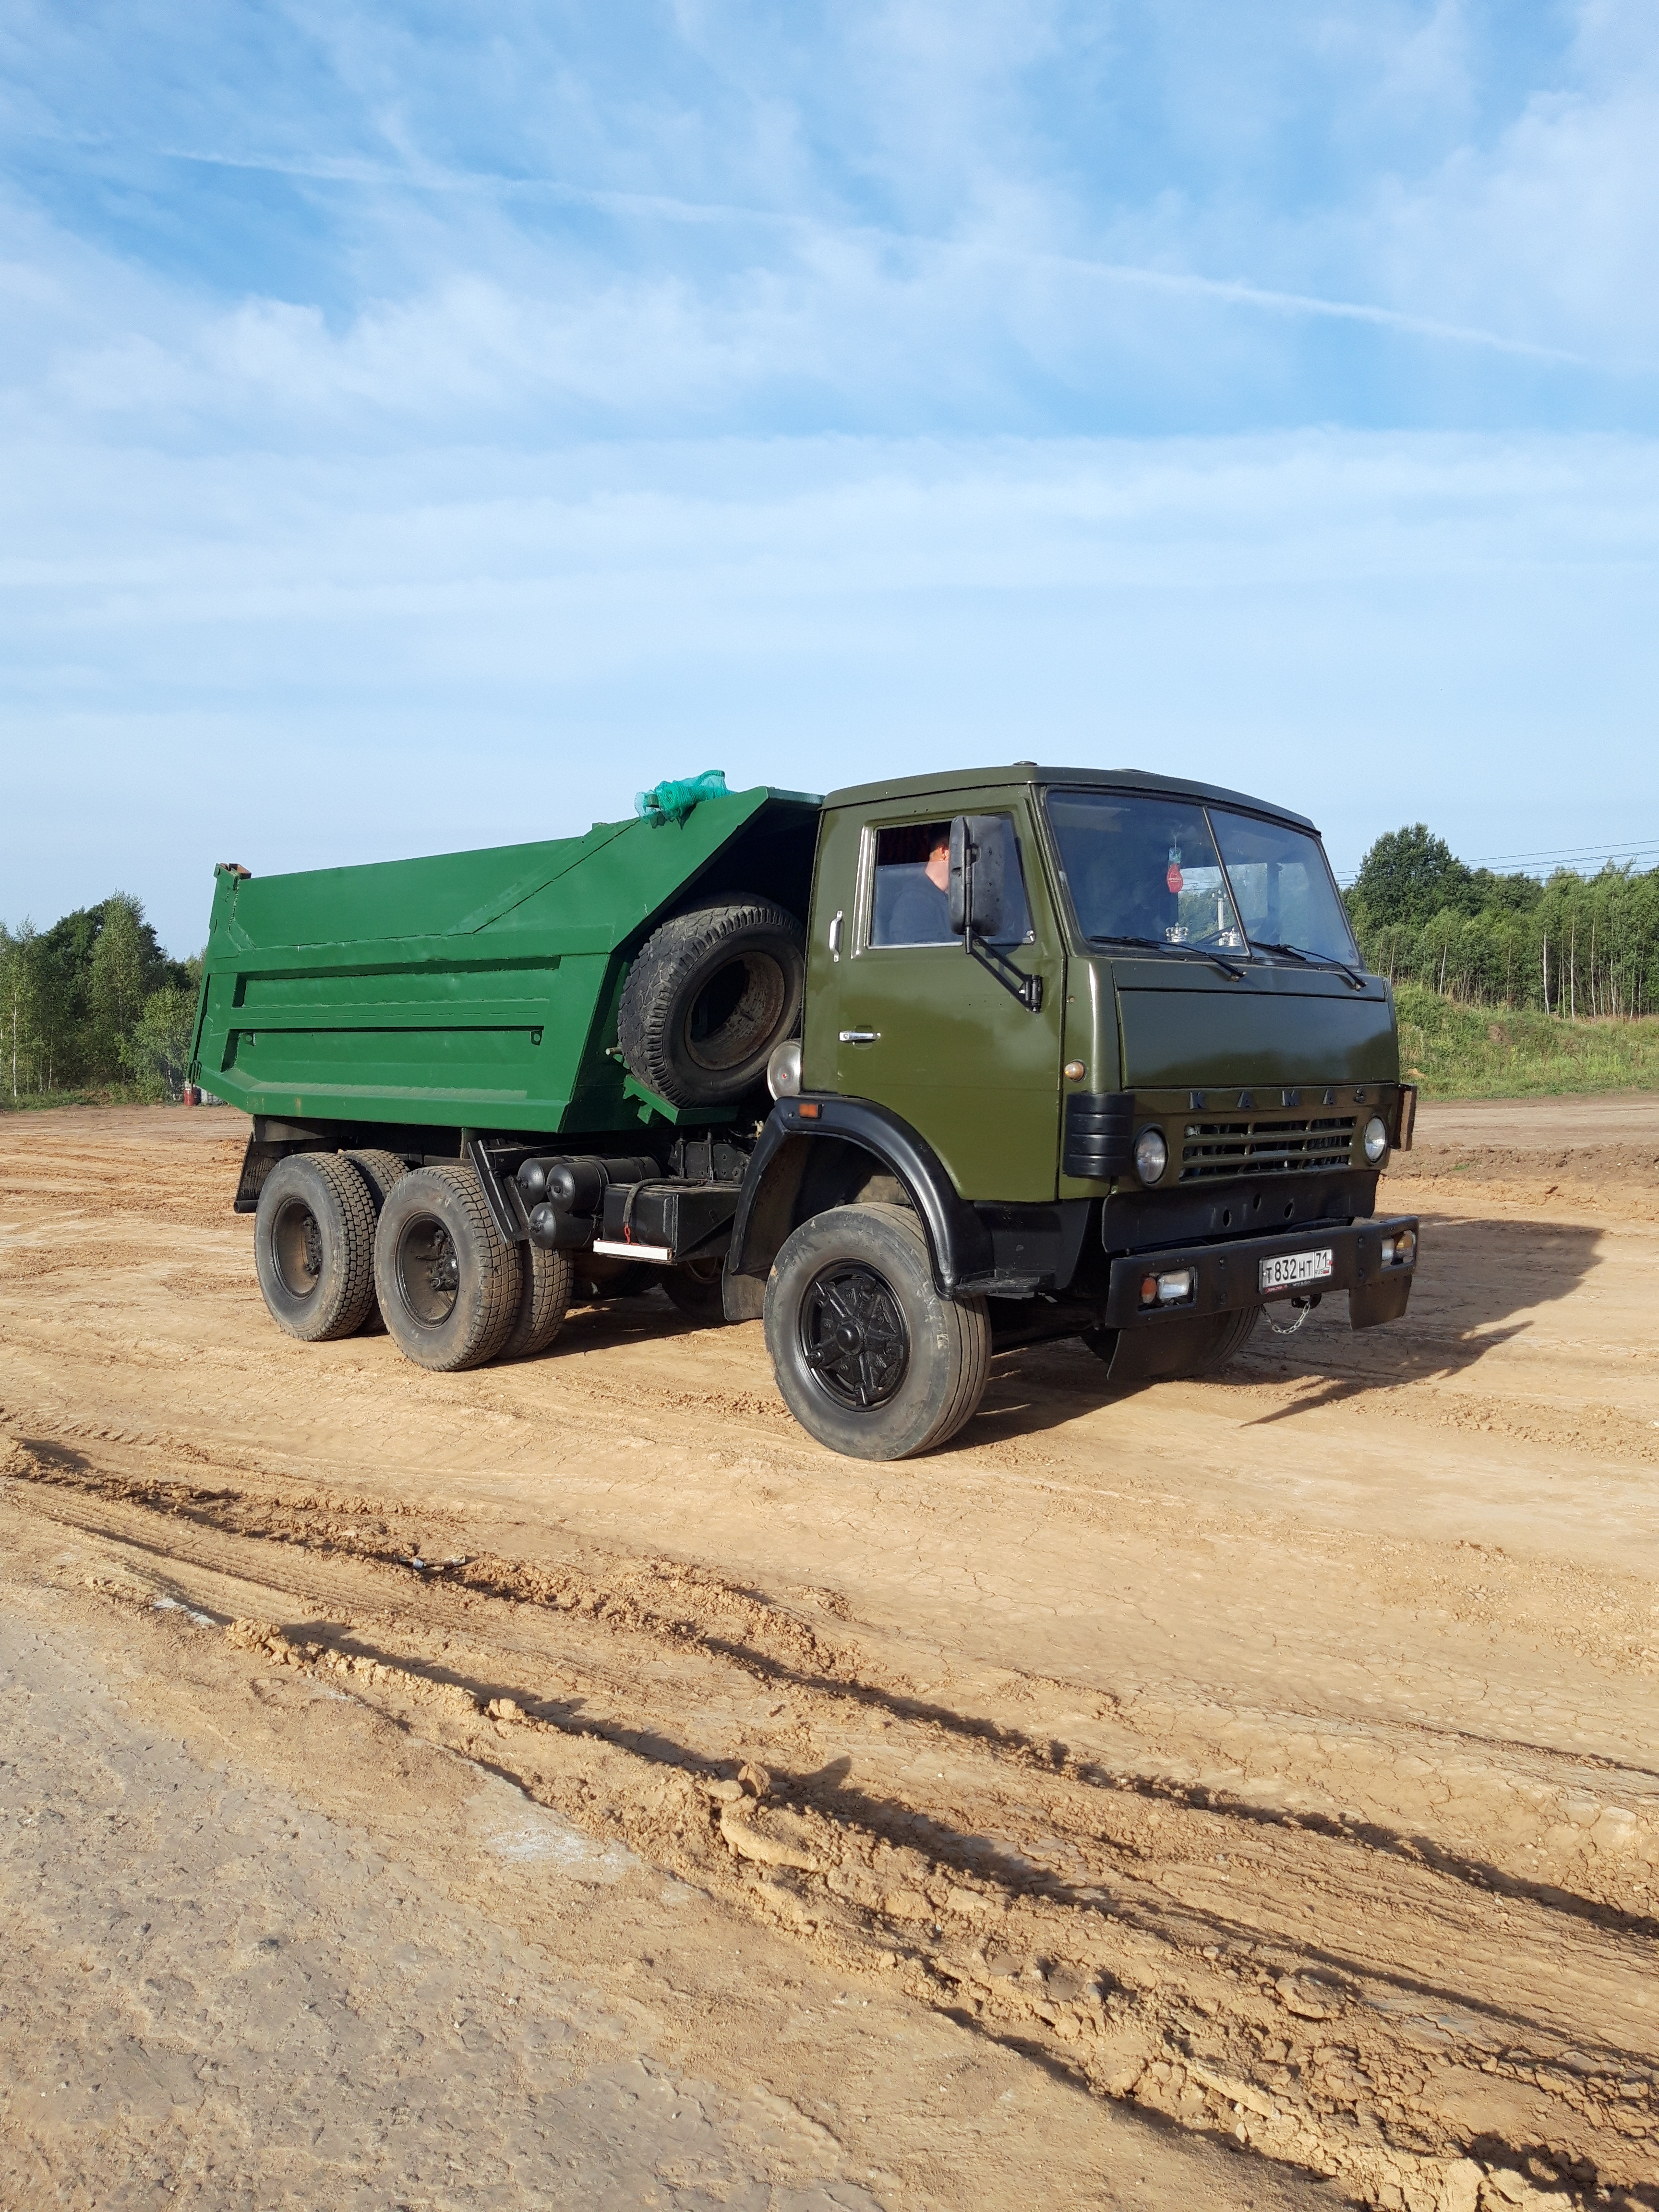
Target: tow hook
x: 1303, y: 1308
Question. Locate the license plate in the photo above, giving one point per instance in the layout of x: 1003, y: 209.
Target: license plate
x: 1291, y: 1268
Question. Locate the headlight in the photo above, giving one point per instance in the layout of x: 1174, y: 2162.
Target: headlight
x: 783, y: 1069
x: 1377, y: 1140
x: 1151, y: 1155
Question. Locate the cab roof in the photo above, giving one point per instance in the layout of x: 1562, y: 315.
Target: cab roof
x: 957, y: 782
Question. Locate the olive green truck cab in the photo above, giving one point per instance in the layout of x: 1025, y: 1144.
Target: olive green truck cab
x: 912, y: 1073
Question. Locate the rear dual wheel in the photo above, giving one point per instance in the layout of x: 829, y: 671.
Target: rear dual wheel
x: 547, y: 1281
x: 313, y: 1247
x: 454, y: 1293
x: 345, y: 1239
x: 449, y: 1284
x: 380, y: 1171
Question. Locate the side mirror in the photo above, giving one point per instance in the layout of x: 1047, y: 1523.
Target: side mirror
x: 979, y: 847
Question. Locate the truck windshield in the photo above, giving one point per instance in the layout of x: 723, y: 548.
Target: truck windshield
x: 1142, y: 870
x: 1283, y: 889
x: 1168, y: 871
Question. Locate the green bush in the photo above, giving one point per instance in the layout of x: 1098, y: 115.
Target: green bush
x: 157, y: 1050
x: 1457, y: 1051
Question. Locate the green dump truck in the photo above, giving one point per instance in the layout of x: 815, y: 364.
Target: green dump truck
x: 914, y: 1073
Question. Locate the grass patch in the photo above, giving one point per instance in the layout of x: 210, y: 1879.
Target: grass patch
x: 1479, y: 1052
x: 95, y: 1094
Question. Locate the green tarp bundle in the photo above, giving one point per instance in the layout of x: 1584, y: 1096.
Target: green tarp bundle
x: 673, y: 802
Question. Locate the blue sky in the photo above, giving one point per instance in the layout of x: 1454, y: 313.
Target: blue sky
x: 425, y: 426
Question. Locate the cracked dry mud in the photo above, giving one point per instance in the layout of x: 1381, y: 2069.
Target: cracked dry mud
x: 1238, y: 1792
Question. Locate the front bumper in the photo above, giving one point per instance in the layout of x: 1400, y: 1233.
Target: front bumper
x: 1228, y: 1276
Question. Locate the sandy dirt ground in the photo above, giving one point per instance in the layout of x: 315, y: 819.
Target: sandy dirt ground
x: 566, y: 1784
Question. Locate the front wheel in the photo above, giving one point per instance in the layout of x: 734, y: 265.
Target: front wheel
x: 870, y: 1359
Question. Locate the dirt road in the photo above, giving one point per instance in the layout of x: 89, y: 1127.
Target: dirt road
x: 1168, y: 1797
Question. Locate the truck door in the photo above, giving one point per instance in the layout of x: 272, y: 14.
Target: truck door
x: 923, y: 1028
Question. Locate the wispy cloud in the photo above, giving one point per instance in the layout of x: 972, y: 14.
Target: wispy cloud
x: 662, y: 207
x: 1236, y: 292
x: 871, y: 204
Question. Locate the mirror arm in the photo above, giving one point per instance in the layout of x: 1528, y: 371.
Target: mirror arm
x: 1028, y: 989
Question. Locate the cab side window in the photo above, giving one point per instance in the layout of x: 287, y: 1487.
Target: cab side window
x: 911, y: 904
x: 913, y: 874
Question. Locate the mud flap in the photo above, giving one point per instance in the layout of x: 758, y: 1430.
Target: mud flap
x: 744, y: 1297
x: 1374, y: 1303
x: 262, y: 1155
x: 1165, y: 1348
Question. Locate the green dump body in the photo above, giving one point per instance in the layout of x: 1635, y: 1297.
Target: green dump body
x: 472, y: 989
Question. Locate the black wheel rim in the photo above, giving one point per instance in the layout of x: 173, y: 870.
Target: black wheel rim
x: 296, y: 1249
x: 429, y: 1274
x: 737, y: 1013
x: 853, y: 1336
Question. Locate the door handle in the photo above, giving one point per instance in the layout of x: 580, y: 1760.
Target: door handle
x: 860, y: 1037
x: 835, y: 938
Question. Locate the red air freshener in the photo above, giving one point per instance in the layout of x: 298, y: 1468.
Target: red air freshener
x: 1174, y: 879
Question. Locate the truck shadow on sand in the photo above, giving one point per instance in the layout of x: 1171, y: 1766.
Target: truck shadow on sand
x: 1479, y: 1287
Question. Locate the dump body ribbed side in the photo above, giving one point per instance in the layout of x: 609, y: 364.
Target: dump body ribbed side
x: 472, y: 989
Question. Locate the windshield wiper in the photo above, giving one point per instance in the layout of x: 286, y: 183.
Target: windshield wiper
x: 1187, y: 952
x: 1312, y: 959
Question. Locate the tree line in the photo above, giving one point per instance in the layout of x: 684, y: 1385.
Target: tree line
x: 94, y: 1001
x: 1584, y: 947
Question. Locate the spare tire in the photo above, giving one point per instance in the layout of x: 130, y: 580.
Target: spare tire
x: 712, y: 991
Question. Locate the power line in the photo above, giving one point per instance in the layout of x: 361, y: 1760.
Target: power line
x: 1570, y: 853
x: 1566, y: 854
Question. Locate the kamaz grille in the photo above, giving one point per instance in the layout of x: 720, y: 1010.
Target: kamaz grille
x: 1214, y: 1149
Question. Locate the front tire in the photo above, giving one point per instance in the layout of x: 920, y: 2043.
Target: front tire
x: 448, y: 1282
x: 313, y: 1247
x: 870, y: 1359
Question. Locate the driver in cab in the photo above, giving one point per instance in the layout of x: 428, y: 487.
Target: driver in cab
x: 916, y: 910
